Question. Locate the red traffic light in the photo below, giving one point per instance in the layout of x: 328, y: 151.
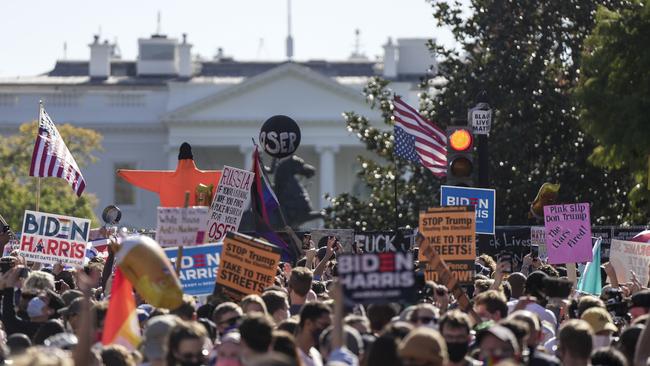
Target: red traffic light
x: 460, y: 140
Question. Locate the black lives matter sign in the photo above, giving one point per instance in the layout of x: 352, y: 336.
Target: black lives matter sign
x: 377, y: 277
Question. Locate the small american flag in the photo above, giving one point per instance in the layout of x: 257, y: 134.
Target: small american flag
x: 418, y: 139
x: 51, y: 158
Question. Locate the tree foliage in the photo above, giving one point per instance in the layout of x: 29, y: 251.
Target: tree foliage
x: 526, y: 56
x: 19, y: 190
x: 614, y: 92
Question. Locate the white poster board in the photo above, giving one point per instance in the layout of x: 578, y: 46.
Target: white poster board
x: 181, y: 226
x: 230, y: 202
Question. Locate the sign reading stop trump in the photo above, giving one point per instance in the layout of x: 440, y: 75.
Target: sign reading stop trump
x: 230, y: 201
x: 51, y: 238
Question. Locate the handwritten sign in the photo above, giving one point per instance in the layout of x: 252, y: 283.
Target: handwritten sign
x: 181, y: 226
x: 248, y: 265
x: 345, y: 236
x: 199, y: 267
x: 377, y: 278
x: 451, y: 232
x: 230, y: 202
x: 568, y: 233
x: 538, y: 237
x: 51, y: 238
x: 626, y: 256
x: 511, y: 240
x: 383, y: 241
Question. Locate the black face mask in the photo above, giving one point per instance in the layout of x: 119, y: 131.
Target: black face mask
x: 316, y: 334
x: 457, y: 350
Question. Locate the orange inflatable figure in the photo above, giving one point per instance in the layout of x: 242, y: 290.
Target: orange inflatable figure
x: 172, y: 185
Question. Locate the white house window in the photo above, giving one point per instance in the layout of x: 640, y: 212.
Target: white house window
x: 126, y: 100
x: 8, y: 100
x: 123, y: 192
x: 62, y: 100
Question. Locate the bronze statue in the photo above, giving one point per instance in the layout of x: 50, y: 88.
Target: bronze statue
x: 293, y: 197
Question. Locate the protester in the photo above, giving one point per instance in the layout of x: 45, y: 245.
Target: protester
x: 300, y: 317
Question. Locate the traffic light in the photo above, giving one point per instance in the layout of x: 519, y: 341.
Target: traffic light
x: 460, y: 156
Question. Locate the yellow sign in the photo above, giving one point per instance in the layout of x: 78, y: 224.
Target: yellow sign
x: 247, y: 266
x: 451, y: 232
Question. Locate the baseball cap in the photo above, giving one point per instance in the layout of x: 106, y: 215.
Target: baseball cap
x: 640, y: 299
x: 424, y: 345
x: 502, y: 333
x: 157, y: 329
x: 599, y: 319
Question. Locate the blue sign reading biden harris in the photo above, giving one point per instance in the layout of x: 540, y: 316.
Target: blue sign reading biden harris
x: 198, y: 267
x: 483, y: 199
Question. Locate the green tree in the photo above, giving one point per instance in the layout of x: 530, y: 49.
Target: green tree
x: 18, y: 189
x: 526, y: 56
x: 614, y: 95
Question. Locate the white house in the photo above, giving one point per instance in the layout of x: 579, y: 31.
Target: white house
x: 145, y: 108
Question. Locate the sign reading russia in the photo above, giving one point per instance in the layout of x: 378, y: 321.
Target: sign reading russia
x: 51, y: 238
x: 230, y: 201
x: 483, y: 199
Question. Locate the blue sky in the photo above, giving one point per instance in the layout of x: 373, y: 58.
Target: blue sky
x: 33, y: 32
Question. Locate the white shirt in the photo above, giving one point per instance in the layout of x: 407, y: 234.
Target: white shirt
x: 312, y: 359
x: 543, y: 313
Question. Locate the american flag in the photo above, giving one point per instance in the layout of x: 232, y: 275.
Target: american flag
x: 51, y: 158
x: 418, y: 139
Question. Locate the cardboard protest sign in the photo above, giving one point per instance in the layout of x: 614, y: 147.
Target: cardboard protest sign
x: 377, y: 278
x: 451, y: 232
x: 511, y: 240
x: 383, y: 241
x: 199, y: 267
x: 248, y: 265
x: 538, y: 237
x: 484, y: 201
x: 181, y: 226
x: 230, y: 202
x: 626, y: 256
x: 568, y: 233
x: 12, y: 244
x: 52, y: 238
x: 345, y: 236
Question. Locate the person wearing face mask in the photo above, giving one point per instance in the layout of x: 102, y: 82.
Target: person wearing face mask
x: 575, y: 343
x: 455, y: 329
x: 39, y: 309
x: 602, y: 325
x: 315, y: 317
x: 186, y: 345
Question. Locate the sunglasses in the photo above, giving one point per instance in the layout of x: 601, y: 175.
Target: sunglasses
x: 426, y: 319
x: 230, y: 322
x: 201, y: 356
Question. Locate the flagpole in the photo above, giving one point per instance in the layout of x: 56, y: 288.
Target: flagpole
x: 38, y: 179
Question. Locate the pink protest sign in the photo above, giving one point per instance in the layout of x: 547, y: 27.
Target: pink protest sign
x: 568, y: 233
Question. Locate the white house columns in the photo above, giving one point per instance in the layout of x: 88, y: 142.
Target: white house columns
x: 327, y: 171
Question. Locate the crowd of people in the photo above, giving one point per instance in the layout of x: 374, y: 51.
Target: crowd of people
x: 53, y: 315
